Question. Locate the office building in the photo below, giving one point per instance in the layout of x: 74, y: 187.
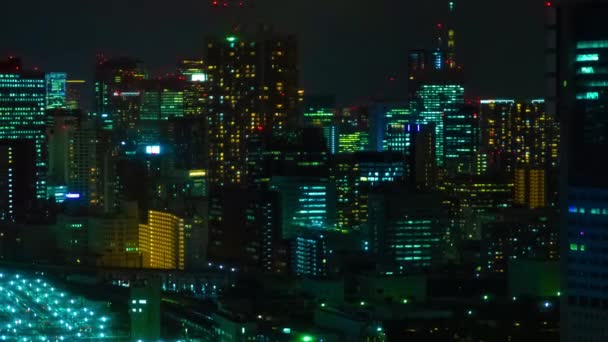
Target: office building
x: 319, y: 111
x: 75, y: 89
x: 56, y: 90
x: 355, y: 175
x: 306, y: 203
x: 196, y: 90
x: 435, y: 82
x: 461, y: 140
x: 118, y: 95
x: 530, y: 188
x: 254, y: 89
x: 422, y: 156
x: 511, y: 234
x: 161, y: 241
x: 577, y: 51
x: 144, y: 310
x: 309, y: 254
x: 406, y: 231
x: 22, y: 111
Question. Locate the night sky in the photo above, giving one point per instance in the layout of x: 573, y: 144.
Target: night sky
x: 348, y: 47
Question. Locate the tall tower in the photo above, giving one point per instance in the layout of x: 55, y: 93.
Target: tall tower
x: 118, y: 94
x: 254, y: 90
x: 435, y: 81
x: 577, y: 72
x: 22, y: 111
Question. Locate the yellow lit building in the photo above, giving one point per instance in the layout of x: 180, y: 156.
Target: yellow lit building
x: 161, y: 241
x: 530, y: 188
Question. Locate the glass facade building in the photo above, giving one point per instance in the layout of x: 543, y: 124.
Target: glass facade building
x: 22, y: 115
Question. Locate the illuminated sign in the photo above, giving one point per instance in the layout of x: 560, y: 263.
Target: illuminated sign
x: 153, y: 149
x: 72, y: 195
x: 199, y: 78
x: 197, y: 173
x: 127, y: 93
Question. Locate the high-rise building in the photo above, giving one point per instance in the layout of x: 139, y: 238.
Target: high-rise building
x: 161, y: 241
x: 306, y: 203
x: 254, y: 88
x: 422, y: 156
x: 56, y: 90
x: 509, y: 234
x: 530, y: 187
x: 17, y: 179
x: 22, y: 111
x: 577, y: 55
x: 468, y: 195
x: 496, y: 129
x: 355, y: 175
x: 118, y: 95
x: 74, y: 95
x: 395, y: 137
x: 352, y: 125
x: 196, y: 90
x: 461, y: 141
x: 406, y: 229
x: 435, y: 82
x: 309, y: 254
x: 319, y: 111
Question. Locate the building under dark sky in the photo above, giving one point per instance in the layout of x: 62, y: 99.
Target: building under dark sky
x: 349, y: 48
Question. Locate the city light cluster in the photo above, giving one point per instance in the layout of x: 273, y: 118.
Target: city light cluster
x: 31, y: 309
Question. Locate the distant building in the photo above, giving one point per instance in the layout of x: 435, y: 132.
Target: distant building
x: 254, y: 84
x: 577, y: 51
x: 161, y: 241
x: 355, y: 175
x: 406, y: 229
x: 144, y: 310
x: 56, y: 90
x: 24, y: 116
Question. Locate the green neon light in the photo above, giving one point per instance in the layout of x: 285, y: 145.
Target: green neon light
x: 596, y: 44
x: 573, y: 247
x: 231, y: 39
x: 590, y: 57
x: 590, y: 95
x: 587, y: 70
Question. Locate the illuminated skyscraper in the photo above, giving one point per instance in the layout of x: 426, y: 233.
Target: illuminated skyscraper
x: 305, y: 204
x: 461, y: 141
x: 308, y: 256
x: 319, y: 111
x: 162, y: 241
x: 118, y: 95
x: 577, y: 55
x: 530, y: 187
x: 406, y: 230
x: 254, y: 89
x: 395, y: 138
x: 496, y: 128
x: 422, y: 156
x: 74, y: 95
x: 22, y: 111
x: 196, y: 91
x: 355, y: 175
x: 435, y: 82
x: 56, y: 90
x: 162, y: 99
x: 353, y: 129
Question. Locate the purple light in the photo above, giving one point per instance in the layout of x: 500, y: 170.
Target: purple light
x: 582, y: 233
x: 71, y: 195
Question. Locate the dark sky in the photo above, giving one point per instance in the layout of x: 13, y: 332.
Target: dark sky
x: 348, y: 47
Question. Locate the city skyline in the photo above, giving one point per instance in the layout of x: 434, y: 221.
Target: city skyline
x: 337, y: 40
